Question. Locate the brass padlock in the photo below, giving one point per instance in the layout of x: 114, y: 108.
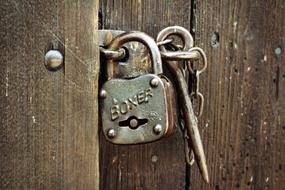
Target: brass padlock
x: 139, y: 109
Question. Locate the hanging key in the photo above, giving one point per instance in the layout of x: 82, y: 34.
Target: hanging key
x: 184, y: 98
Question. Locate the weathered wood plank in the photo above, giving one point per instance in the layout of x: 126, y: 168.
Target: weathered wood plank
x: 158, y: 165
x: 48, y: 120
x: 244, y: 92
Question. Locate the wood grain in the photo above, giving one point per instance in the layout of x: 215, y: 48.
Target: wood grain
x: 48, y: 120
x: 244, y: 89
x: 159, y: 165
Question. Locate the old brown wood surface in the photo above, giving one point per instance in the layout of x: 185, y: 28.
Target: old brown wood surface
x: 244, y: 87
x: 245, y: 93
x: 48, y: 120
x: 158, y: 165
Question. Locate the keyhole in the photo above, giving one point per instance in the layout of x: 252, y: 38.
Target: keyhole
x: 133, y: 122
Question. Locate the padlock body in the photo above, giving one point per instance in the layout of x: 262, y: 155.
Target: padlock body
x: 171, y: 106
x: 138, y: 99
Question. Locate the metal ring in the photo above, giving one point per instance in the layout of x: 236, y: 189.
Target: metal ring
x: 189, y: 154
x: 179, y: 31
x: 167, y: 41
x: 204, y: 57
x: 180, y: 55
x: 201, y: 103
x: 191, y: 158
x: 197, y: 81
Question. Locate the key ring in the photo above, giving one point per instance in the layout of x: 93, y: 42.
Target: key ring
x: 164, y: 42
x: 178, y: 31
x: 201, y: 103
x: 204, y: 59
x: 197, y: 94
x: 191, y: 121
x: 189, y: 154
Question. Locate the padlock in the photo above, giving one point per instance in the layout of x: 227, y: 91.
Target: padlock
x: 139, y: 109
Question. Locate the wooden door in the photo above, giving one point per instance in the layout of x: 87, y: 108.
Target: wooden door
x: 244, y: 87
x: 245, y: 93
x: 49, y: 120
x: 49, y: 136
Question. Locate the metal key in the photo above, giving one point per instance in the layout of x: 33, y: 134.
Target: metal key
x: 184, y: 98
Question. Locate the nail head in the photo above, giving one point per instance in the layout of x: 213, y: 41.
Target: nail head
x: 53, y: 59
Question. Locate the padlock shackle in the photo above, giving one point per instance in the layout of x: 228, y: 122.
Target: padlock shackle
x: 143, y: 38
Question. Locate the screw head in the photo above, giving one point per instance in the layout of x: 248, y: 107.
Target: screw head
x: 154, y: 82
x: 157, y: 129
x: 111, y: 133
x: 53, y: 60
x: 103, y: 93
